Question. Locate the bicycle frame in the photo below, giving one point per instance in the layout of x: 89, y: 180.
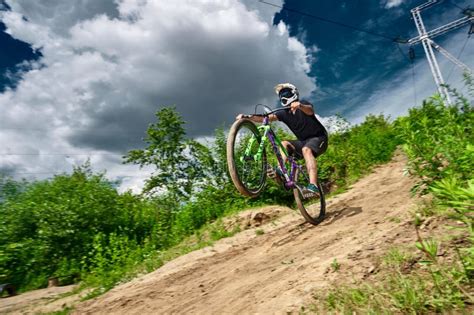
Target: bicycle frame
x: 267, y: 133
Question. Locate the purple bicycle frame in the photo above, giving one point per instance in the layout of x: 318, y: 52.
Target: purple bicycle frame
x: 289, y: 180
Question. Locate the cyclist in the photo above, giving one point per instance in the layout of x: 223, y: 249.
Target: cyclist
x: 301, y: 119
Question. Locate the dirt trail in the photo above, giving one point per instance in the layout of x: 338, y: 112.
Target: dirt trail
x: 23, y: 302
x: 278, y: 271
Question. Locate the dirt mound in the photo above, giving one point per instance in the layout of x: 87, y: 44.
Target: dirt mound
x: 279, y: 268
x: 26, y: 303
x: 255, y: 217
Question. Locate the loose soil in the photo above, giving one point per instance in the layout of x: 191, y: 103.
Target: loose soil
x: 279, y: 262
x: 40, y: 301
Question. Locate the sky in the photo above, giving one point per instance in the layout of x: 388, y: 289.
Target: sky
x: 82, y: 79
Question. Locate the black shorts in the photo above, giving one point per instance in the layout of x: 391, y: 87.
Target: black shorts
x: 317, y: 144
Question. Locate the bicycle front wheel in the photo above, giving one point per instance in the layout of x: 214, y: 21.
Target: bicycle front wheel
x: 246, y: 163
x: 313, y: 209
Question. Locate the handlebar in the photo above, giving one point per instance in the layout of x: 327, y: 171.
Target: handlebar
x: 265, y: 114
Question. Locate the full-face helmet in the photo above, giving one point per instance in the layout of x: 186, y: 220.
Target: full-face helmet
x: 287, y: 92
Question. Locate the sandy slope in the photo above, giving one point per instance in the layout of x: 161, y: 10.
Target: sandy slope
x: 278, y: 271
x: 23, y: 302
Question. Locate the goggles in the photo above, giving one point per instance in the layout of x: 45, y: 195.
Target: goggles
x: 286, y: 93
x: 287, y: 96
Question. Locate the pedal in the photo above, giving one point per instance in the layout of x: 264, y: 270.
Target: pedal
x: 307, y: 194
x: 271, y: 172
x: 310, y: 195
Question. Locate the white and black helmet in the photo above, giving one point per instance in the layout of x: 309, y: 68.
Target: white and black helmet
x: 287, y: 92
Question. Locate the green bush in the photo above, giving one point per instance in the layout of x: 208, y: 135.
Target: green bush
x: 354, y: 152
x: 439, y: 140
x: 50, y: 227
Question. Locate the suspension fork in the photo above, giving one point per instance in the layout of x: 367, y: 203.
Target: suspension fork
x: 248, y: 150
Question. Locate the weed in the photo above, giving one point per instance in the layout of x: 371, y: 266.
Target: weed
x: 335, y: 265
x: 394, y: 219
x: 288, y: 262
x: 65, y: 311
x: 259, y: 232
x: 396, y: 257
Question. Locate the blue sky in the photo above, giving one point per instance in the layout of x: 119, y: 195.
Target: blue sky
x: 83, y: 79
x: 13, y: 53
x: 350, y: 66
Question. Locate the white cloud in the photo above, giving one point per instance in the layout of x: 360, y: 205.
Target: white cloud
x: 393, y: 3
x: 107, y: 66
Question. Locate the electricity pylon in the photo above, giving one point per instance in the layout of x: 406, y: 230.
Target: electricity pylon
x: 428, y: 44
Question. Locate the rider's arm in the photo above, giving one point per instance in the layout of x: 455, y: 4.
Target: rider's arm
x: 256, y: 118
x: 305, y: 107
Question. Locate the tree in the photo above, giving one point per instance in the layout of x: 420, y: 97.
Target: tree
x: 181, y: 164
x: 220, y: 171
x: 10, y: 188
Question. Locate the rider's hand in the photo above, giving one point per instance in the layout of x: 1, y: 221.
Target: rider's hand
x: 294, y: 106
x: 240, y: 116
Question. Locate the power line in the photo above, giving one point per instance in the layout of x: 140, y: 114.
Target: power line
x: 394, y: 39
x: 458, y: 57
x: 409, y: 58
x: 64, y: 172
x: 62, y: 154
x: 450, y: 1
x: 414, y: 82
x: 320, y: 18
x: 22, y: 128
x: 402, y: 53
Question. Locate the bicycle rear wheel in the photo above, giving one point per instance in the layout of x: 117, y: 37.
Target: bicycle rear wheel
x: 247, y: 168
x: 313, y: 209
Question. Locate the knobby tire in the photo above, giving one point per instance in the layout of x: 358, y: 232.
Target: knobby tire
x: 318, y: 207
x: 232, y: 159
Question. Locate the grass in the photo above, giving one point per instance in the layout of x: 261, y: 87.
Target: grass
x: 288, y: 262
x: 396, y: 257
x: 394, y: 219
x: 64, y: 311
x: 412, y: 279
x: 206, y: 236
x: 396, y: 293
x: 335, y: 265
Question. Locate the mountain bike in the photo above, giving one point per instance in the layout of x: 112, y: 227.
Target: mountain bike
x: 247, y: 144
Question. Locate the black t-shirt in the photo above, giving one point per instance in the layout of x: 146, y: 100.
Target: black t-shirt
x: 303, y: 126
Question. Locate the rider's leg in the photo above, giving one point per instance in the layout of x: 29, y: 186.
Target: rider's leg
x: 311, y: 165
x: 289, y: 147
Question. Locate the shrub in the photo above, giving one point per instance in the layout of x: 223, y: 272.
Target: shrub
x: 438, y: 140
x: 50, y: 227
x: 354, y: 152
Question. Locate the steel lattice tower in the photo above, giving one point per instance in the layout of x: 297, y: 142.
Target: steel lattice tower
x: 425, y: 37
